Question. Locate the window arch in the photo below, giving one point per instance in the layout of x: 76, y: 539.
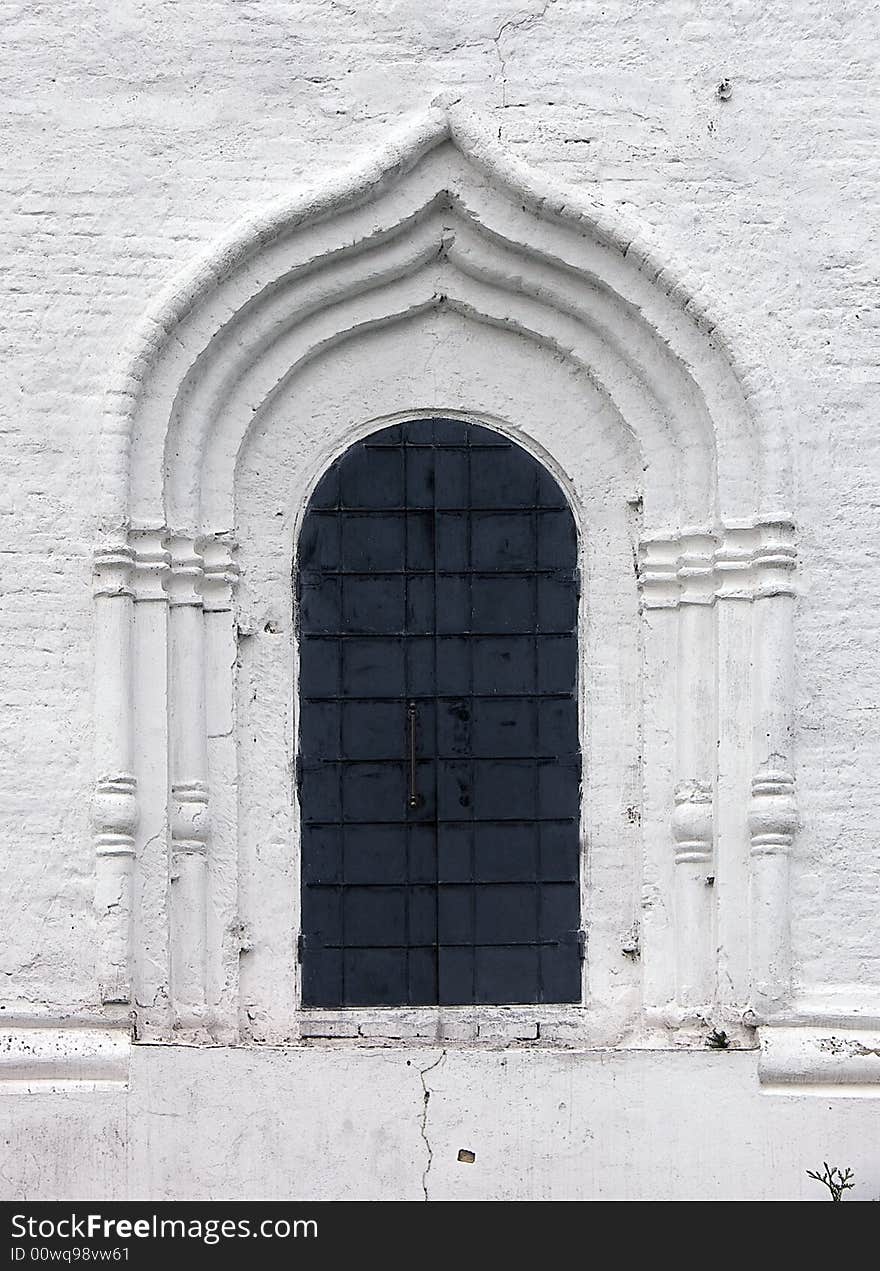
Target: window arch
x: 439, y: 757
x: 443, y: 277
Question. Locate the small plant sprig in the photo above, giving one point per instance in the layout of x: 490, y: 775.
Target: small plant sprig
x: 836, y: 1180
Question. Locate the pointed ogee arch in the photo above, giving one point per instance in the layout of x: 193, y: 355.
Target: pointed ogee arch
x: 443, y: 182
x: 443, y: 221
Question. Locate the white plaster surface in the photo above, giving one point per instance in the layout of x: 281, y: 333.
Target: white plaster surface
x: 339, y: 1123
x: 131, y: 139
x: 133, y: 135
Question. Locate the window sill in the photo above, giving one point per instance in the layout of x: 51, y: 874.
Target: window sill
x: 566, y: 1026
x: 563, y: 1025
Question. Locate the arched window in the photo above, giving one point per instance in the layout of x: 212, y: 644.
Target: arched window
x: 443, y: 270
x: 439, y: 760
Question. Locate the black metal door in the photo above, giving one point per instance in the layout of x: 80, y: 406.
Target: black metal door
x: 439, y: 767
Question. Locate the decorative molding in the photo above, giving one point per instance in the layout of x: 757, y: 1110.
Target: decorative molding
x: 773, y: 813
x: 734, y: 558
x: 114, y: 812
x: 658, y: 560
x: 221, y: 572
x: 50, y: 1057
x: 692, y: 823
x: 752, y: 560
x: 152, y: 565
x: 449, y: 221
x: 394, y: 163
x: 114, y: 819
x: 827, y: 1007
x: 817, y: 1059
x: 773, y: 822
x: 184, y: 580
x: 189, y: 818
x: 111, y: 570
x: 188, y: 813
x: 692, y: 830
x: 115, y: 815
x: 732, y: 562
x: 443, y: 222
x: 181, y: 570
x: 775, y: 559
x: 695, y: 568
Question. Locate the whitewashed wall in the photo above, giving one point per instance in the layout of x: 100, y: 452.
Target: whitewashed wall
x: 135, y: 134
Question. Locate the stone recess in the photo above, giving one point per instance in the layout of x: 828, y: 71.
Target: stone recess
x: 444, y: 226
x: 688, y: 276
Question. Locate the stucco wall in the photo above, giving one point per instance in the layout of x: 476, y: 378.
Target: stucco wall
x: 135, y: 133
x: 542, y: 1126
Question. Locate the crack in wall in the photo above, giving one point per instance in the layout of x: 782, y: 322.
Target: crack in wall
x: 514, y: 24
x: 423, y: 1125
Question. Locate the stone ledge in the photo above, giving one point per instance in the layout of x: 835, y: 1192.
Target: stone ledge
x: 63, y: 1058
x: 826, y: 1059
x: 799, y: 1059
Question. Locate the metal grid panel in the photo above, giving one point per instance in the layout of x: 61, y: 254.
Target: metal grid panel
x: 439, y: 762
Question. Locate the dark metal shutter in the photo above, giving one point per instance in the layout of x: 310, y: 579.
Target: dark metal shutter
x: 439, y: 765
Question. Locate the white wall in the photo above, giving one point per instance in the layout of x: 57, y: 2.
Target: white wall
x: 261, y: 1125
x: 135, y: 133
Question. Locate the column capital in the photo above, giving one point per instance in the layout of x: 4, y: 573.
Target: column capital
x: 111, y: 569
x: 221, y: 572
x: 152, y: 564
x: 775, y: 558
x: 736, y: 560
x: 658, y: 572
x: 696, y: 567
x: 184, y: 581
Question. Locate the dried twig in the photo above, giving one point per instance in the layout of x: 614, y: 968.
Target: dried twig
x: 836, y: 1180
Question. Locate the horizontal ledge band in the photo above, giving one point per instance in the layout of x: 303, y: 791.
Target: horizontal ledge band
x: 71, y: 1056
x: 819, y: 1057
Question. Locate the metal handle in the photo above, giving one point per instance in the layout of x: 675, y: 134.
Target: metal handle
x: 411, y: 743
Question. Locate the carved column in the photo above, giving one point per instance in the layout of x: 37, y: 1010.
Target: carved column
x: 218, y: 587
x: 219, y: 580
x: 773, y: 816
x: 189, y: 786
x: 658, y: 581
x: 734, y: 594
x: 114, y: 806
x: 151, y: 957
x: 692, y: 817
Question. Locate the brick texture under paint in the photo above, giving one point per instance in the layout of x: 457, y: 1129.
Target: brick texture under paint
x: 135, y: 134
